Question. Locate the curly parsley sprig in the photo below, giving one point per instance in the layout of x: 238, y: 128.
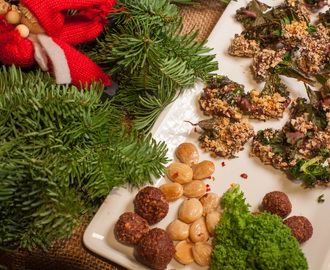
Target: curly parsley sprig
x: 253, y: 241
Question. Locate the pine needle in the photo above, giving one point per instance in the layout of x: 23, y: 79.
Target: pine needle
x: 147, y: 54
x: 61, y: 153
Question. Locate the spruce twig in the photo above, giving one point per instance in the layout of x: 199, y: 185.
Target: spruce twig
x: 149, y: 56
x: 61, y: 153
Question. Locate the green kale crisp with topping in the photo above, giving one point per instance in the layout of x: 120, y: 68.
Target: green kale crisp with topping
x: 253, y: 241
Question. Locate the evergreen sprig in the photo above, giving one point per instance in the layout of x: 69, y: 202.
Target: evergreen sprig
x: 148, y: 54
x: 61, y: 153
x: 62, y: 150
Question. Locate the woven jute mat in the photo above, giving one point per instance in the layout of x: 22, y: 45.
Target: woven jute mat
x: 71, y: 253
x: 203, y: 16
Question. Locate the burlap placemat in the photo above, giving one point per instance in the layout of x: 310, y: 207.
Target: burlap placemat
x: 71, y: 253
x: 66, y: 254
x: 202, y: 17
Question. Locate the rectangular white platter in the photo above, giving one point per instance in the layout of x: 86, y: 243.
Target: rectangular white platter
x: 172, y: 128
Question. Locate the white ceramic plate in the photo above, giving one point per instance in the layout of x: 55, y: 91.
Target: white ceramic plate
x: 172, y: 128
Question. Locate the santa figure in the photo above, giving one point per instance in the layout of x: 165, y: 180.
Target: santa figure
x: 43, y: 31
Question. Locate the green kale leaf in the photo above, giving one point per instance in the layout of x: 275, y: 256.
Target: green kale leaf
x: 311, y: 171
x: 275, y: 85
x: 253, y: 14
x: 288, y: 68
x: 253, y: 241
x: 325, y: 18
x: 220, y: 82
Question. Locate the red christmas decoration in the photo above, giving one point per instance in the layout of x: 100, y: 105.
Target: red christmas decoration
x: 52, y: 46
x: 14, y: 49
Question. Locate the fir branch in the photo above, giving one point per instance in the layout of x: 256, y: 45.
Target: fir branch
x: 193, y: 53
x: 156, y: 9
x: 61, y: 153
x: 146, y: 106
x: 147, y: 53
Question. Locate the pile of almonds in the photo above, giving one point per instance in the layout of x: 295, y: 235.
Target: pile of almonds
x: 198, y: 215
x: 187, y: 175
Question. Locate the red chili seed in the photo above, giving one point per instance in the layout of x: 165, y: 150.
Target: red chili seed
x: 244, y: 175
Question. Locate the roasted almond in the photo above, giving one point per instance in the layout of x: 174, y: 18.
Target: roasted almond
x: 172, y: 191
x: 202, y: 253
x: 184, y: 252
x: 179, y: 172
x: 178, y: 230
x: 203, y: 170
x: 212, y: 220
x: 210, y: 202
x: 194, y: 189
x: 198, y: 231
x: 190, y: 210
x: 187, y: 153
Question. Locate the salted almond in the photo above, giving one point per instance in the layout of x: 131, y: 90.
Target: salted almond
x: 194, y: 189
x: 198, y: 231
x: 179, y: 172
x: 210, y: 202
x: 178, y: 230
x: 212, y: 220
x: 187, y: 153
x: 203, y: 170
x: 184, y: 252
x: 202, y: 253
x: 172, y: 191
x: 190, y: 210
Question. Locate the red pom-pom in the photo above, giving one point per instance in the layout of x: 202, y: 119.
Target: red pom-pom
x: 16, y: 50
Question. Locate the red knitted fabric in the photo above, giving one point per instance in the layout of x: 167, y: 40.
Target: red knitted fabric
x: 84, y: 26
x: 5, y: 27
x: 82, y: 69
x: 81, y: 28
x: 65, y: 31
x: 16, y: 50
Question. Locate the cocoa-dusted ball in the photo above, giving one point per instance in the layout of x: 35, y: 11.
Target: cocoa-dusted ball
x: 130, y: 227
x: 301, y: 227
x: 155, y: 249
x: 151, y: 204
x: 277, y: 203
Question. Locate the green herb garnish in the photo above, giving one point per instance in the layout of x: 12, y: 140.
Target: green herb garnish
x: 253, y: 241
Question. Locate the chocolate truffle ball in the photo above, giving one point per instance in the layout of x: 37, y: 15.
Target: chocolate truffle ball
x: 301, y: 227
x: 277, y: 203
x: 151, y: 204
x: 155, y: 249
x: 130, y: 227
